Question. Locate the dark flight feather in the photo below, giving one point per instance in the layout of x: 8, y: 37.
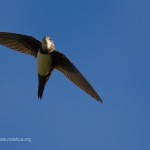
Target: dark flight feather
x: 22, y: 43
x: 63, y: 64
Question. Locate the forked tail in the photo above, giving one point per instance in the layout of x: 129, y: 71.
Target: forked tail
x: 42, y: 83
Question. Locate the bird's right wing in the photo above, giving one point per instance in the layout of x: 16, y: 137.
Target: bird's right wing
x: 22, y: 43
x: 63, y: 64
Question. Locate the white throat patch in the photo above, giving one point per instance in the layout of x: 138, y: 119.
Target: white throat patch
x: 48, y: 43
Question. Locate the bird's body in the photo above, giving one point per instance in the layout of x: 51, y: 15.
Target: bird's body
x: 44, y: 67
x: 44, y: 63
x: 48, y: 60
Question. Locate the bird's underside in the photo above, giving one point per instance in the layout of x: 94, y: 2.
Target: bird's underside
x: 30, y: 45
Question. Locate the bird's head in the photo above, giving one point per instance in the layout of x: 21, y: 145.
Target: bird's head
x: 47, y: 44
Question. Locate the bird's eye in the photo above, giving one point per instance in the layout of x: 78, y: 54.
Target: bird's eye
x: 49, y: 38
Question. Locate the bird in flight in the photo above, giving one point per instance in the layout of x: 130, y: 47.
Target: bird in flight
x: 48, y: 60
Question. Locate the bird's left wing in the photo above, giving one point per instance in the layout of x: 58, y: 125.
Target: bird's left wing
x: 63, y: 64
x: 22, y: 43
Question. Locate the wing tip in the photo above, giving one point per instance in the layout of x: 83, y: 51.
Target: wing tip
x: 98, y: 99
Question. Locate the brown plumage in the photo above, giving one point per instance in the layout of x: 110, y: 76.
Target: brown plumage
x: 22, y: 43
x: 30, y: 45
x: 64, y: 65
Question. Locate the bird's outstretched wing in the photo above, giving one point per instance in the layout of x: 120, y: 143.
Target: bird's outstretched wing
x: 22, y: 43
x: 63, y: 64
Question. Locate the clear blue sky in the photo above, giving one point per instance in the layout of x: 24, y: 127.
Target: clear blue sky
x: 109, y: 42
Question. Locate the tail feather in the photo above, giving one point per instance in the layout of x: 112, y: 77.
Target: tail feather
x: 42, y: 82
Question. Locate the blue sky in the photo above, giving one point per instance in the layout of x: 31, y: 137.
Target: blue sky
x: 108, y: 41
